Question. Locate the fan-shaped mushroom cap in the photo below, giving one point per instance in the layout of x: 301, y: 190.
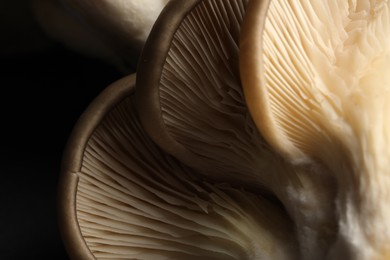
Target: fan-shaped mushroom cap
x: 191, y: 101
x: 129, y: 197
x: 123, y: 197
x: 310, y: 70
x: 316, y: 80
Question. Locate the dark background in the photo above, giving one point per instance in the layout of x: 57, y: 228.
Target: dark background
x: 44, y: 89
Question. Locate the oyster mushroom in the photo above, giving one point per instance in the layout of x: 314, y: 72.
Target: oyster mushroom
x: 316, y: 79
x: 191, y: 103
x: 124, y: 197
x: 294, y: 167
x: 306, y: 87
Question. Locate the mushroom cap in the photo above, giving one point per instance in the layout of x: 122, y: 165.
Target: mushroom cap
x: 191, y: 104
x: 146, y: 173
x: 121, y: 196
x: 311, y: 72
x: 191, y: 101
x: 315, y: 77
x: 72, y: 163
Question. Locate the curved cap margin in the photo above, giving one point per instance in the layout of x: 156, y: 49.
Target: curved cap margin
x: 72, y: 161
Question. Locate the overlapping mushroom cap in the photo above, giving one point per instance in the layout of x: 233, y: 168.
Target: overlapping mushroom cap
x: 191, y: 103
x: 123, y: 197
x: 183, y: 169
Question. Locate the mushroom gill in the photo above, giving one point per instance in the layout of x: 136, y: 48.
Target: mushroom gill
x: 319, y: 66
x: 125, y: 198
x: 316, y: 81
x: 191, y: 101
x: 177, y: 170
x: 191, y: 104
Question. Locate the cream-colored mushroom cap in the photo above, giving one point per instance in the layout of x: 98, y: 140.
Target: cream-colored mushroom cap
x: 316, y: 81
x: 257, y: 130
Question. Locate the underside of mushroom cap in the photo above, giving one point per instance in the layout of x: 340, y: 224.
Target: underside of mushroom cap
x: 125, y: 198
x: 312, y: 71
x: 316, y: 79
x: 73, y: 159
x: 191, y: 102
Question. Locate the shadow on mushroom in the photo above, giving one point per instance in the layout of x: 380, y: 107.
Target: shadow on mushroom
x: 123, y: 197
x: 182, y: 169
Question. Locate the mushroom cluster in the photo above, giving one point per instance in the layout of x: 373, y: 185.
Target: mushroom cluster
x: 252, y: 129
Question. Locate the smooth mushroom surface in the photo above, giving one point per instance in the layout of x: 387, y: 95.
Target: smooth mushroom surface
x: 111, y: 30
x: 125, y: 198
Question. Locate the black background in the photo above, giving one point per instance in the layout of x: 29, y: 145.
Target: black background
x: 44, y: 89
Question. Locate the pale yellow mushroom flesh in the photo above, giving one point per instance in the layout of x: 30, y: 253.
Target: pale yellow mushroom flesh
x: 316, y: 80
